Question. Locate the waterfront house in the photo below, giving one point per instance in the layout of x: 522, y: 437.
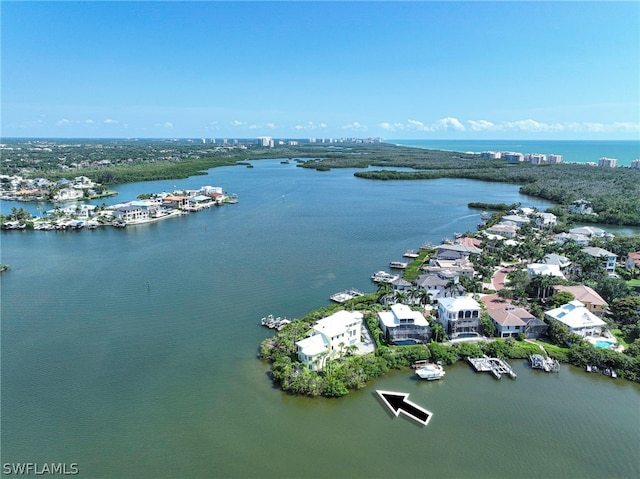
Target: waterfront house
x: 460, y: 266
x: 454, y: 252
x: 175, y: 201
x: 587, y: 296
x: 504, y: 230
x: 131, y: 213
x: 510, y: 321
x: 632, y: 261
x: 402, y: 325
x: 442, y: 284
x: 329, y: 339
x: 68, y: 194
x: 577, y: 318
x: 581, y: 207
x: 607, y: 257
x: 589, y: 231
x: 400, y: 285
x: 460, y: 316
x: 515, y: 220
x: 579, y: 239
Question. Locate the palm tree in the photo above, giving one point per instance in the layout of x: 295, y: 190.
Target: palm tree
x: 385, y: 291
x: 400, y: 297
x: 424, y: 297
x: 414, y: 294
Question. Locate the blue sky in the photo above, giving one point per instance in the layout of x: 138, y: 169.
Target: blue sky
x: 433, y: 70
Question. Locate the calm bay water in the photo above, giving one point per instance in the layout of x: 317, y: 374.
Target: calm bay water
x: 133, y: 352
x: 583, y: 151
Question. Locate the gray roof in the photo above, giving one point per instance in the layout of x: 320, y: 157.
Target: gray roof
x: 460, y: 247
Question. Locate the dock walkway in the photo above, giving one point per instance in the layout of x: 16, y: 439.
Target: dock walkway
x: 495, y: 366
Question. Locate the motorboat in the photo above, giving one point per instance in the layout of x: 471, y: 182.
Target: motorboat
x: 430, y: 371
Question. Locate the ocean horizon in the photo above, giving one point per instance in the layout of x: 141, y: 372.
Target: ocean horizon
x: 572, y: 151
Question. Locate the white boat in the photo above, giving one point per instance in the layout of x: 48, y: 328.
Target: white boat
x: 410, y: 254
x: 383, y: 277
x: 484, y: 215
x: 430, y: 371
x: 233, y: 199
x: 398, y: 265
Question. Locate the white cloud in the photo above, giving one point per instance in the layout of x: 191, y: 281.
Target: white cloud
x: 449, y: 123
x: 357, y: 126
x: 415, y: 125
x: 63, y: 122
x: 168, y: 124
x: 109, y: 121
x: 238, y: 123
x: 89, y: 122
x: 310, y: 126
x: 482, y: 125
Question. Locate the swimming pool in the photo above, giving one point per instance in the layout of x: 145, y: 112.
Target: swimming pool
x: 603, y: 344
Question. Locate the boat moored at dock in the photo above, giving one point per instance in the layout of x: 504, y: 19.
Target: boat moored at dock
x: 383, y: 277
x: 398, y: 265
x: 272, y: 322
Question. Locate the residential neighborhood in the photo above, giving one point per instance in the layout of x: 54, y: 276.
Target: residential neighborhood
x: 534, y: 284
x: 147, y: 208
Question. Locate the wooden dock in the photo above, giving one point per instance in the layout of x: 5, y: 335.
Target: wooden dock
x: 495, y: 366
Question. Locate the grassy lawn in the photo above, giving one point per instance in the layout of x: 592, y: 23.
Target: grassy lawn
x: 553, y: 349
x: 619, y: 335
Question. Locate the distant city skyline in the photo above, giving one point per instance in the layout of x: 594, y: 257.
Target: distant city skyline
x: 395, y: 70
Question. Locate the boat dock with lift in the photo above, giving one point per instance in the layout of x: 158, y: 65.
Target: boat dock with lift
x: 346, y: 295
x: 274, y: 323
x: 549, y: 365
x: 383, y: 277
x: 495, y: 366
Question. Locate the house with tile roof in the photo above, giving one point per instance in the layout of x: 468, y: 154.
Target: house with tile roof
x: 632, y: 261
x: 510, y: 321
x: 587, y: 296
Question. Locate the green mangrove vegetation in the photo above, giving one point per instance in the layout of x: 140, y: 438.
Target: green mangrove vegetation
x: 613, y: 192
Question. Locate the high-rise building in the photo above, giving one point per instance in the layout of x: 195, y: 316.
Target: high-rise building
x: 554, y: 159
x: 608, y: 162
x: 635, y: 164
x: 265, y: 141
